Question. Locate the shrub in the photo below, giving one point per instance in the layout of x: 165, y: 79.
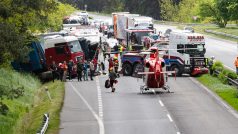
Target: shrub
x: 218, y: 66
x: 222, y: 77
x: 232, y: 75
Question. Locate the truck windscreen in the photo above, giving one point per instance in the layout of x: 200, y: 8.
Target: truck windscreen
x: 75, y: 46
x: 191, y: 48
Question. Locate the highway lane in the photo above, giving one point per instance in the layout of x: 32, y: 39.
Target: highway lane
x: 76, y: 117
x: 195, y: 111
x: 124, y: 112
x: 128, y: 112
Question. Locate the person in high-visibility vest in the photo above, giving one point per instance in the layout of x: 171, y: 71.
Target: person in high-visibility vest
x: 236, y: 64
x: 121, y: 50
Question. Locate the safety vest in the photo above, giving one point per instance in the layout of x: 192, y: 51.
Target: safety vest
x: 121, y: 49
x: 236, y: 63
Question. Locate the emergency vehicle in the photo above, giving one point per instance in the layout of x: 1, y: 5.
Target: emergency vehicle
x: 134, y: 21
x: 185, y: 53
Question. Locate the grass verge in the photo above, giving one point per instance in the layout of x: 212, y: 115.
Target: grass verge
x: 226, y: 92
x: 201, y: 29
x: 17, y: 107
x: 26, y: 113
x: 31, y: 122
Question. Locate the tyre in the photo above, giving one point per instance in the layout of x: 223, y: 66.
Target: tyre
x: 177, y: 70
x: 127, y: 69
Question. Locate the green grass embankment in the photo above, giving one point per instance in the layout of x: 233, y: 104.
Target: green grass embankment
x: 26, y: 112
x: 226, y: 92
x: 42, y: 104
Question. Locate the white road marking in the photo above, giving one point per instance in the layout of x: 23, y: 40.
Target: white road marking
x: 100, y: 105
x: 230, y: 68
x: 170, y: 119
x: 161, y: 103
x: 99, y: 120
x: 217, y: 98
x: 178, y: 133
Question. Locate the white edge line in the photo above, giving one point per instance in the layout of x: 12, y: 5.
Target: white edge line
x: 230, y: 68
x: 100, y: 122
x: 170, y: 119
x: 161, y: 103
x: 217, y: 98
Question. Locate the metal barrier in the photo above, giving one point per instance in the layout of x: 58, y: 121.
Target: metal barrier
x: 230, y: 81
x: 44, y: 125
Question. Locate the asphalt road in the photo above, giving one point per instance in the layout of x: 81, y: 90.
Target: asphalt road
x: 191, y: 109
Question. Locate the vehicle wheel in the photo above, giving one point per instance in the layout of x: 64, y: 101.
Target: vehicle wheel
x: 177, y: 70
x: 127, y: 69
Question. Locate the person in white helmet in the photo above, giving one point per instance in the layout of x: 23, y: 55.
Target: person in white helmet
x: 210, y: 64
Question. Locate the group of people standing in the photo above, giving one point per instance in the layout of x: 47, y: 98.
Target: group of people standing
x: 62, y: 70
x: 83, y: 69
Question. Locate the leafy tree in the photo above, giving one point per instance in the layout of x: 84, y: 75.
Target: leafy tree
x: 233, y: 10
x: 168, y: 10
x: 218, y: 9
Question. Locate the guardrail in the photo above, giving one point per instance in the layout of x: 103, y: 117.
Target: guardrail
x: 44, y: 125
x: 230, y: 81
x: 207, y: 24
x: 220, y: 33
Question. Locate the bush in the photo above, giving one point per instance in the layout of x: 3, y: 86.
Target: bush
x: 232, y: 75
x: 222, y: 77
x: 218, y: 66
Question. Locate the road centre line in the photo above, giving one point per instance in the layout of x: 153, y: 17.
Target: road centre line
x: 170, y: 119
x: 100, y: 105
x: 99, y: 120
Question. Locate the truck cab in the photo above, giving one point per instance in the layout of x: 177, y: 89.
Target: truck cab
x: 186, y: 53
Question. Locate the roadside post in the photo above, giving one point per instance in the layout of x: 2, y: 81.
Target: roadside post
x: 48, y: 93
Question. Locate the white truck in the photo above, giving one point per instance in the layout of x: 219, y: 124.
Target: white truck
x: 186, y: 52
x: 134, y: 21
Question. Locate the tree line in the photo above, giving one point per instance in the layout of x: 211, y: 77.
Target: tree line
x: 215, y: 11
x: 145, y: 7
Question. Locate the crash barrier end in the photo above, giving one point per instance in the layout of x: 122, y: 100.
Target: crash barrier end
x: 44, y: 124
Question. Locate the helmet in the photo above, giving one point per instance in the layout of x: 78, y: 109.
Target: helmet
x: 115, y: 58
x: 213, y: 57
